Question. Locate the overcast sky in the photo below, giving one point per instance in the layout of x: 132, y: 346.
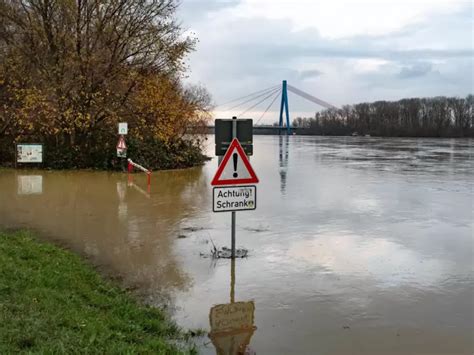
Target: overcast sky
x: 338, y: 50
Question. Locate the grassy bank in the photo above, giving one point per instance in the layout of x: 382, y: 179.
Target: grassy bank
x: 53, y: 302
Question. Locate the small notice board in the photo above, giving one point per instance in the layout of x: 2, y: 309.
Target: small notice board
x: 29, y: 153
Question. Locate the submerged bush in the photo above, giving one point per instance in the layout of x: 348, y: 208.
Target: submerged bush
x: 71, y: 71
x: 151, y: 153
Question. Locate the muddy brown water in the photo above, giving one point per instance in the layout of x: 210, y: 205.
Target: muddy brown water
x: 357, y: 246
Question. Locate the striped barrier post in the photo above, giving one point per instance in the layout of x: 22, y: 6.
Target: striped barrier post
x: 132, y: 164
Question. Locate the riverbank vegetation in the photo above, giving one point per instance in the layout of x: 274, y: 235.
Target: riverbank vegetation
x: 52, y: 302
x: 71, y: 70
x: 426, y: 117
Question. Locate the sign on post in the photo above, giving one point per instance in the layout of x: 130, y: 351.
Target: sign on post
x: 29, y: 153
x: 235, y: 168
x: 123, y: 128
x: 230, y: 198
x: 224, y: 137
x: 121, y: 148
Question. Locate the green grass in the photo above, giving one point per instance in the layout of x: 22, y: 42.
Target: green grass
x: 52, y: 302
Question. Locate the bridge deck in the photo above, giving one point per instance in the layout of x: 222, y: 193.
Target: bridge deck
x: 263, y: 130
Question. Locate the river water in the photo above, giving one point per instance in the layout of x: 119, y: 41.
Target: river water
x: 357, y: 246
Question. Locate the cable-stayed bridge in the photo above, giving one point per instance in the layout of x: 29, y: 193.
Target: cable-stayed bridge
x: 270, y: 96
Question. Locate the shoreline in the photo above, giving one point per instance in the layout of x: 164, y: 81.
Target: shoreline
x: 55, y: 300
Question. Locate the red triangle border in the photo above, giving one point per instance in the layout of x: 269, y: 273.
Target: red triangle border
x: 121, y: 143
x: 253, y: 179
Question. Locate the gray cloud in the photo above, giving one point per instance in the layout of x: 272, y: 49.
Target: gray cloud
x: 309, y: 74
x: 240, y: 55
x: 416, y: 70
x: 193, y: 11
x: 337, y: 50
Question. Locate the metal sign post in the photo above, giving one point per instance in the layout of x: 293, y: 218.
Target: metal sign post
x: 234, y: 135
x: 121, y: 146
x: 232, y: 325
x: 234, y: 171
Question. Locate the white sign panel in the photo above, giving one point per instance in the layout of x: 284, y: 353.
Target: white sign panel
x: 30, y: 184
x: 123, y: 128
x: 234, y: 198
x: 29, y: 153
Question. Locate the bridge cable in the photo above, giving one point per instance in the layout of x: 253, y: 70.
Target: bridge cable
x: 258, y: 103
x: 268, y: 107
x: 246, y: 96
x: 271, y: 92
x: 311, y: 98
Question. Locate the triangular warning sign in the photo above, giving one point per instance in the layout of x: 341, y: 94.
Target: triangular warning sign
x: 235, y: 168
x: 121, y: 143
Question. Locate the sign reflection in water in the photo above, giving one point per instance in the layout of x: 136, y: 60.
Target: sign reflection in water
x: 232, y: 324
x: 30, y: 184
x: 370, y: 233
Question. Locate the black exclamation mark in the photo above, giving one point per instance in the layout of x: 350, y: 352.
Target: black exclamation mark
x: 235, y: 156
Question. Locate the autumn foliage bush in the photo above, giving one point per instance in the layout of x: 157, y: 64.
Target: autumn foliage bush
x: 71, y: 70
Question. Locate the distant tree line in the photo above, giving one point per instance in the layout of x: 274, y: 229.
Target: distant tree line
x: 416, y: 117
x: 71, y: 70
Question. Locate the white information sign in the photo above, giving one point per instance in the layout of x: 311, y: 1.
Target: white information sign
x: 234, y: 198
x: 123, y: 128
x: 29, y: 153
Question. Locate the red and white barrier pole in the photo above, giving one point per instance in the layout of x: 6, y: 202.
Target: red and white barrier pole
x: 138, y: 166
x: 132, y: 164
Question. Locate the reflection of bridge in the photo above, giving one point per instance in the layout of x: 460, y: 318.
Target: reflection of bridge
x: 271, y: 94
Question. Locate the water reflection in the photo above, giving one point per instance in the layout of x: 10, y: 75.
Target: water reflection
x: 232, y: 324
x: 122, y: 206
x: 131, y: 183
x: 386, y: 262
x: 283, y: 161
x: 29, y: 184
x: 401, y: 155
x: 367, y: 249
x: 128, y: 232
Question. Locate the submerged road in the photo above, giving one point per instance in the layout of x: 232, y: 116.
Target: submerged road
x: 358, y: 245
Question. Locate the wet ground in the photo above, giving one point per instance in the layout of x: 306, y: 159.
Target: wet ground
x: 357, y: 246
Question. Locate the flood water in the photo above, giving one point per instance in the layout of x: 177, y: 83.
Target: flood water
x: 357, y: 245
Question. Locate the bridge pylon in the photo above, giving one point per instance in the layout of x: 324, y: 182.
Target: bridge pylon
x: 284, y: 106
